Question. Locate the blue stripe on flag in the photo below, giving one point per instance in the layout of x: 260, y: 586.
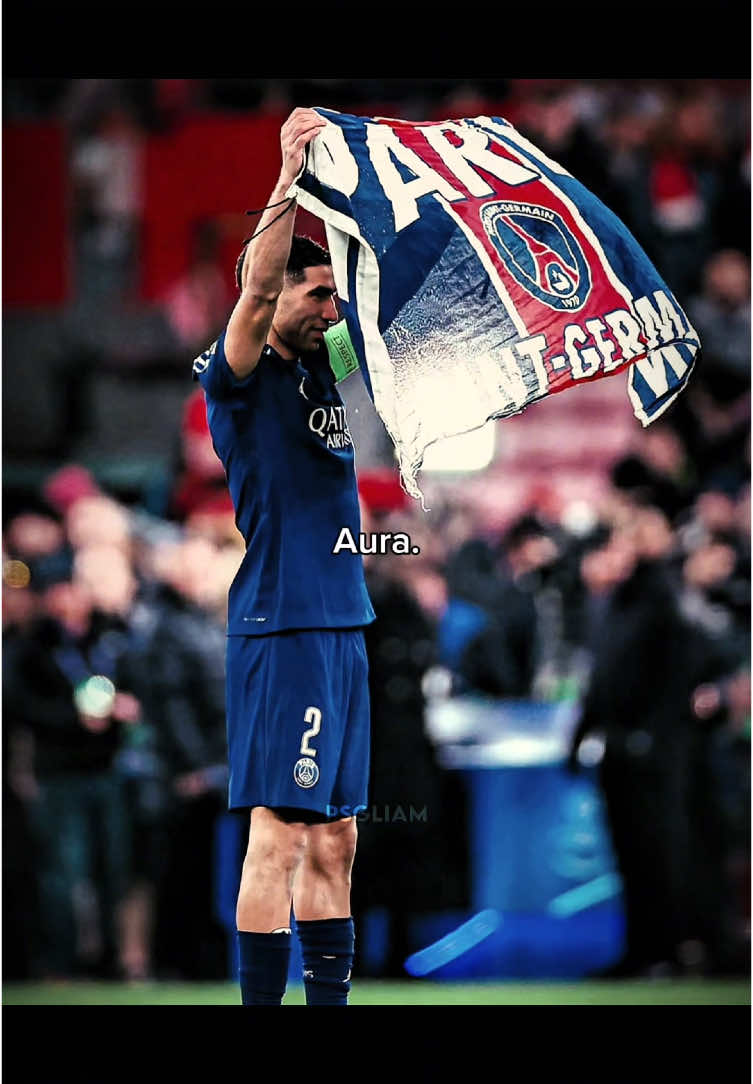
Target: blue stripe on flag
x: 629, y: 262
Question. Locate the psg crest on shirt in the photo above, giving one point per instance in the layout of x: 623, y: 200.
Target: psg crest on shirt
x: 305, y: 772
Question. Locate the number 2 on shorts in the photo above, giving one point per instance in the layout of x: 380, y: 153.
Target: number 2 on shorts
x: 313, y: 715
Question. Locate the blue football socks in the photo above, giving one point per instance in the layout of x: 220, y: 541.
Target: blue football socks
x: 327, y: 948
x: 264, y: 960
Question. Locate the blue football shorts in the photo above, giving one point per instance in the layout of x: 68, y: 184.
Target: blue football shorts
x: 298, y: 721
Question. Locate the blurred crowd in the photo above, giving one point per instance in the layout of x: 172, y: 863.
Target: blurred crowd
x: 113, y: 698
x: 670, y: 157
x: 638, y: 609
x: 114, y: 758
x: 114, y: 734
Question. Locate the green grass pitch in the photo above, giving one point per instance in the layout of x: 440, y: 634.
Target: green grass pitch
x: 410, y: 992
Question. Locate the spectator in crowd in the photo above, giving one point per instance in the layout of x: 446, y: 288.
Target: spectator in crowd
x: 98, y: 520
x: 414, y: 807
x: 716, y: 431
x: 33, y: 535
x: 421, y: 574
x: 201, y: 484
x: 539, y: 558
x: 105, y: 571
x: 716, y: 595
x: 720, y: 314
x: 20, y: 858
x: 200, y: 499
x: 488, y: 630
x: 68, y: 484
x: 648, y: 665
x: 684, y: 188
x: 174, y: 101
x: 198, y: 304
x: 550, y: 118
x: 470, y: 98
x: 185, y: 659
x: 608, y: 560
x: 106, y: 169
x: 66, y: 689
x: 658, y: 471
x: 37, y: 539
x: 626, y: 137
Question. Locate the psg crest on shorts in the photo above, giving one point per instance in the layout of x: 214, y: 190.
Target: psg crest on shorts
x: 540, y: 252
x: 305, y: 772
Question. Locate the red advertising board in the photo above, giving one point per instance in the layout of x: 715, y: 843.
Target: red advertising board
x: 36, y: 264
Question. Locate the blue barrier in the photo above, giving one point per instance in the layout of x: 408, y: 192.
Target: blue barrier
x: 540, y: 851
x: 530, y: 946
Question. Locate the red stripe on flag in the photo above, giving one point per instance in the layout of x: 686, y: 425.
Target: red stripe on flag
x: 538, y: 317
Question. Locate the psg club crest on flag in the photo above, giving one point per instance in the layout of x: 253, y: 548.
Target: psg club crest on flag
x: 477, y: 276
x: 539, y: 251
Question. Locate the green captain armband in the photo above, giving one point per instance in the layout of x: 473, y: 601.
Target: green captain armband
x: 342, y: 357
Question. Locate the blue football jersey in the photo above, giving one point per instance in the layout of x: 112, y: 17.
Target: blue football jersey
x: 283, y: 439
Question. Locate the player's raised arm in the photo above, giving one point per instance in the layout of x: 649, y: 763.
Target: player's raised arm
x: 266, y: 256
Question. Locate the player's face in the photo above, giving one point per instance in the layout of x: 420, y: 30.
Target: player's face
x: 307, y: 308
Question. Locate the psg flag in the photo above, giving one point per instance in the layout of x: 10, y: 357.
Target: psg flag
x: 477, y: 276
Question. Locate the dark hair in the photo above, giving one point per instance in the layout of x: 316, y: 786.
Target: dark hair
x: 525, y: 527
x: 304, y: 252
